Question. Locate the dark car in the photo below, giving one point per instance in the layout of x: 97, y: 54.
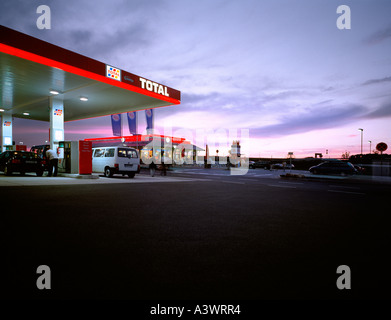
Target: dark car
x: 260, y: 164
x: 282, y: 166
x: 40, y: 150
x: 360, y: 170
x: 289, y: 166
x: 20, y: 161
x: 334, y: 167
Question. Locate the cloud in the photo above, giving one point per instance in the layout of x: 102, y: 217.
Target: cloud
x: 316, y: 119
x: 320, y: 118
x: 376, y: 81
x: 16, y: 13
x: 129, y: 38
x: 378, y: 36
x: 382, y: 112
x: 102, y: 32
x: 197, y: 99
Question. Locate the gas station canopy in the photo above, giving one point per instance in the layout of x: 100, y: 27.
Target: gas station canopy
x: 32, y: 71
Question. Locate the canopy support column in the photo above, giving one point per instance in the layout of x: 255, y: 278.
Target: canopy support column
x: 56, y: 109
x: 6, y: 130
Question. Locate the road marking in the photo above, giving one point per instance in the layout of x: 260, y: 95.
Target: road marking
x: 333, y: 186
x: 349, y: 192
x: 235, y: 182
x: 281, y: 186
x: 291, y: 182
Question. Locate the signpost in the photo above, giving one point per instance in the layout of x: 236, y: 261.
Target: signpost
x: 382, y: 146
x: 290, y: 154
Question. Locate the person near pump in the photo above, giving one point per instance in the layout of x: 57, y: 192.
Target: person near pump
x: 152, y: 168
x: 51, y: 155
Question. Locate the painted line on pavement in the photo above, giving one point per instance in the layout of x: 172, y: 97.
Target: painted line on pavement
x: 286, y: 182
x: 347, y: 187
x: 348, y: 192
x: 281, y: 186
x: 234, y: 182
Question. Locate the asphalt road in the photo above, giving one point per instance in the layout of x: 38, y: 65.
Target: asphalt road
x: 218, y: 237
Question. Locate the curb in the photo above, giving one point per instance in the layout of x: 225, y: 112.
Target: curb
x: 78, y: 176
x: 332, y: 178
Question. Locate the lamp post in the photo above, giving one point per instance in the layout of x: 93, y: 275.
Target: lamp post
x: 361, y: 137
x: 169, y: 145
x: 290, y: 155
x: 370, y: 146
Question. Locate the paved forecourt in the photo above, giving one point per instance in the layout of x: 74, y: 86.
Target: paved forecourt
x: 31, y: 180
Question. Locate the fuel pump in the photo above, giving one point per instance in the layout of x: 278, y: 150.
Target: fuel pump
x: 75, y: 157
x: 68, y: 156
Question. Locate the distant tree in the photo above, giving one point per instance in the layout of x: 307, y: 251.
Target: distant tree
x: 345, y: 155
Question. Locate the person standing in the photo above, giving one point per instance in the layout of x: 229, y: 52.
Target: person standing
x: 51, y: 155
x: 152, y: 168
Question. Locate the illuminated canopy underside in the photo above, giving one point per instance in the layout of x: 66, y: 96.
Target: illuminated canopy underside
x: 30, y: 68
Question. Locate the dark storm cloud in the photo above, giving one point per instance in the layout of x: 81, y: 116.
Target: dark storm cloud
x: 323, y: 118
x: 379, y: 36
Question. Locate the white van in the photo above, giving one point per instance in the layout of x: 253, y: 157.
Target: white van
x: 115, y: 160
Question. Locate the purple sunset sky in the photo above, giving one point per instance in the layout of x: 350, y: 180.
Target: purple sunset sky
x: 281, y: 69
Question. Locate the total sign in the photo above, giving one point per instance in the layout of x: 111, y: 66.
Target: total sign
x: 154, y: 87
x: 113, y: 73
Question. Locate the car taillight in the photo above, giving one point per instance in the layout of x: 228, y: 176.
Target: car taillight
x: 15, y: 161
x: 116, y: 165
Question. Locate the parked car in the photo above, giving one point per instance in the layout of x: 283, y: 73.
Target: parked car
x: 360, y: 170
x: 40, y: 150
x: 277, y: 166
x: 20, y: 161
x: 282, y: 166
x: 260, y: 164
x: 333, y: 167
x: 115, y: 160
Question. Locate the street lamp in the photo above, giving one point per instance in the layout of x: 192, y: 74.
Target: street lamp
x: 370, y: 146
x: 361, y: 137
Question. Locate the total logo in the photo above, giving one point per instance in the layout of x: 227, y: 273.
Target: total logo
x: 113, y: 73
x: 116, y: 117
x: 154, y: 87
